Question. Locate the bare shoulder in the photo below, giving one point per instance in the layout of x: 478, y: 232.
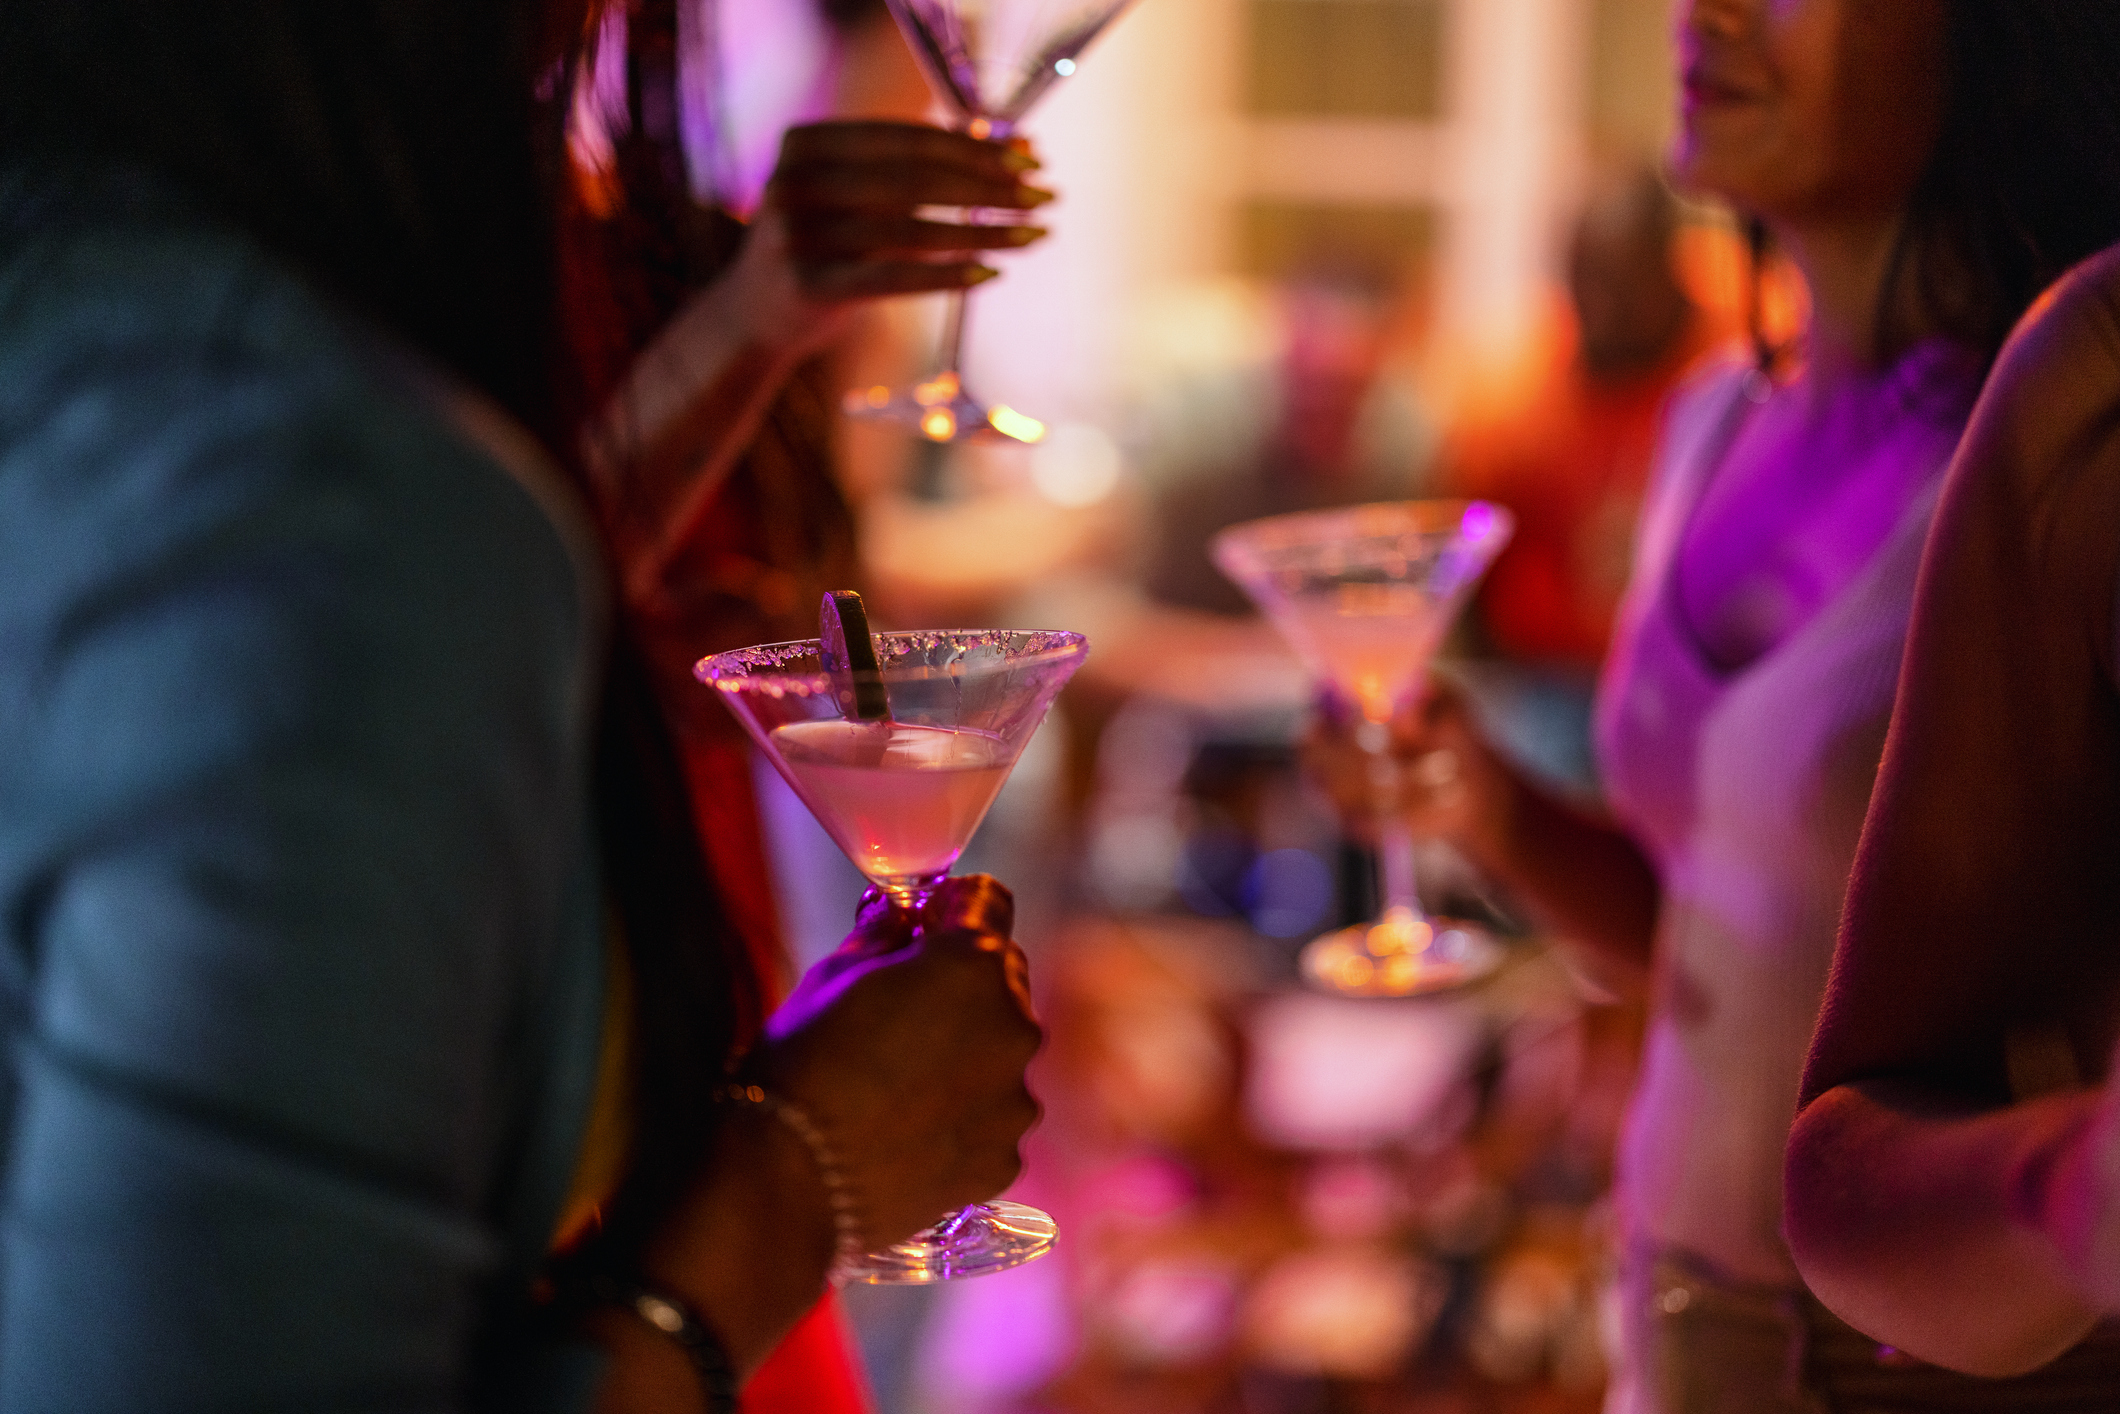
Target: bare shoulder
x: 2060, y: 371
x: 2039, y: 468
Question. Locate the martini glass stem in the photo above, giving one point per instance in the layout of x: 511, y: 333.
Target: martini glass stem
x: 952, y: 352
x: 1401, y: 894
x: 911, y: 895
x: 1398, y: 889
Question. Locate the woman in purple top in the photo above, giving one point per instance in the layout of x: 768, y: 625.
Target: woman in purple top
x: 1923, y: 164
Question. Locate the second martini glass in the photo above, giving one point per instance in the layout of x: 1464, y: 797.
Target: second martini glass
x: 1364, y: 595
x: 901, y: 788
x: 989, y: 60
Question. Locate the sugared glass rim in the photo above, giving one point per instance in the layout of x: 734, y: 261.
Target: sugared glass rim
x: 754, y: 668
x: 1266, y: 545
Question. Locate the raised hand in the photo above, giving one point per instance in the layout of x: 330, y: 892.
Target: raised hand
x: 1581, y: 878
x: 846, y: 219
x: 1443, y: 779
x: 909, y: 1053
x: 849, y: 196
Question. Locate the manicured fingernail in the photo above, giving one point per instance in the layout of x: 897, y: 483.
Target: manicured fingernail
x: 1035, y: 196
x: 1020, y: 162
x: 1024, y: 235
x: 978, y: 275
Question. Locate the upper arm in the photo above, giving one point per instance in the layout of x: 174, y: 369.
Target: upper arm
x: 1987, y: 886
x: 291, y: 803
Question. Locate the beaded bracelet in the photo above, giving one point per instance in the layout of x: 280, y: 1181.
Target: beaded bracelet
x: 847, y: 1244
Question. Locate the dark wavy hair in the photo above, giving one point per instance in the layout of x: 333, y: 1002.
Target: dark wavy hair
x: 2023, y: 183
x: 2025, y: 178
x: 397, y: 153
x: 383, y: 146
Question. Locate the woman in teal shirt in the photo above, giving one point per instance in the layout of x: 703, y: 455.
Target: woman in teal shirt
x: 325, y: 774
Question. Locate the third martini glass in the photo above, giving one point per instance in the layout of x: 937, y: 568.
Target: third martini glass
x: 989, y: 60
x: 899, y: 765
x: 1364, y: 595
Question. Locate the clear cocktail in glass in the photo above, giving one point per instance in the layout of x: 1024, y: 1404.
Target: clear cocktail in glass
x: 1365, y: 595
x: 902, y: 794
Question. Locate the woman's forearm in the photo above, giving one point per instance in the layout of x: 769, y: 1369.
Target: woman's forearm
x: 841, y: 225
x: 747, y: 1251
x: 1586, y: 880
x: 1939, y: 1229
x: 689, y: 407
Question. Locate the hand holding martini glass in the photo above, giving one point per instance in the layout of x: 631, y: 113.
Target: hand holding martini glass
x: 1364, y: 596
x: 898, y: 743
x: 989, y: 61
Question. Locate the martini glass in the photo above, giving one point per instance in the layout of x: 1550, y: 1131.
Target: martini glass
x: 1364, y: 596
x: 989, y: 61
x: 902, y: 794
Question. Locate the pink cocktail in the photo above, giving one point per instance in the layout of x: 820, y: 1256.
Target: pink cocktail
x: 1372, y: 641
x: 1364, y: 596
x: 900, y: 763
x: 901, y: 800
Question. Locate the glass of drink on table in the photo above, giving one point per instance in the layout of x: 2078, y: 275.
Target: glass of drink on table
x: 898, y: 743
x: 1365, y: 595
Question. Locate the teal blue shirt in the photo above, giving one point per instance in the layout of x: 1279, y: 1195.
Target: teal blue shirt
x: 299, y: 951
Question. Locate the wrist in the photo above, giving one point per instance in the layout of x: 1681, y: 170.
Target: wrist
x: 750, y: 1248
x: 716, y: 356
x: 735, y: 326
x: 1495, y: 833
x: 840, y: 1199
x: 663, y: 1356
x: 763, y: 301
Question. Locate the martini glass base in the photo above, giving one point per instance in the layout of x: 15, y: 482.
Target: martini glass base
x: 986, y: 1237
x: 941, y: 411
x: 1401, y: 956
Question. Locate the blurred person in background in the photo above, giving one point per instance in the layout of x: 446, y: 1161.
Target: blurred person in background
x: 331, y: 758
x: 712, y: 458
x: 1954, y: 1174
x: 1920, y: 162
x: 1569, y: 448
x: 718, y: 465
x: 1321, y: 425
x: 1567, y: 445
